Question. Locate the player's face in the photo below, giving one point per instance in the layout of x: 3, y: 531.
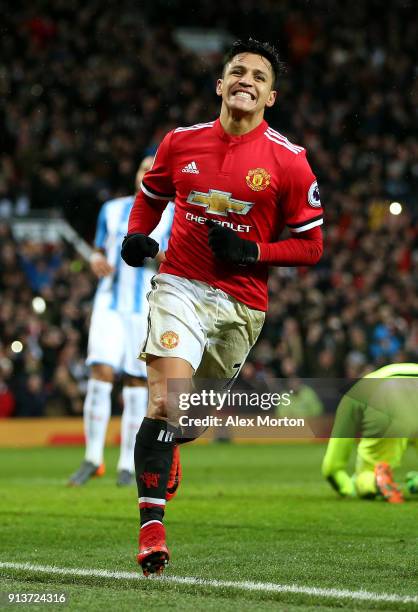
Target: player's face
x: 247, y: 83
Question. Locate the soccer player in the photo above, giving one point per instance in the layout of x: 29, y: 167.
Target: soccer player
x: 383, y: 407
x: 118, y: 327
x: 237, y: 184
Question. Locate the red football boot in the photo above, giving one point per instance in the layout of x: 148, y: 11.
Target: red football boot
x: 153, y: 553
x: 174, y: 478
x: 386, y: 486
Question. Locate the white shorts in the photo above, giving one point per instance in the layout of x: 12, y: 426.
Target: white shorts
x: 115, y: 339
x: 200, y: 324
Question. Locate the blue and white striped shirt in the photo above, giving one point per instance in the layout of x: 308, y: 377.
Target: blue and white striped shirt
x: 125, y: 290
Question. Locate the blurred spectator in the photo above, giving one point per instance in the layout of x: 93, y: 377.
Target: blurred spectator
x: 38, y: 266
x: 7, y: 398
x: 304, y: 401
x: 30, y: 396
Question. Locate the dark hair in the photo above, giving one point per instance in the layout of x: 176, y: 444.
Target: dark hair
x: 259, y: 48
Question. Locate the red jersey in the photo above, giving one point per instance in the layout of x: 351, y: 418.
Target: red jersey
x: 256, y: 184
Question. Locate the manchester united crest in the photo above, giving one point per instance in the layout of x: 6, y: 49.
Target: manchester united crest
x: 169, y: 339
x: 258, y: 179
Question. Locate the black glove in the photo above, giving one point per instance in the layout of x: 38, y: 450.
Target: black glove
x: 229, y: 247
x: 135, y: 247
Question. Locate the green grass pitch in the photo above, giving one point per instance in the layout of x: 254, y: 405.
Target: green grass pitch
x: 254, y: 513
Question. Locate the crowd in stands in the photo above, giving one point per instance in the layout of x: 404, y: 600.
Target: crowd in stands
x: 88, y: 88
x: 46, y: 372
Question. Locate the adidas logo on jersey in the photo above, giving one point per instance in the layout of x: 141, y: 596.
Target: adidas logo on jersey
x: 192, y: 168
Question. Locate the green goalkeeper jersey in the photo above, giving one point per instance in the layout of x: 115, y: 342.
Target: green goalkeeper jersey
x: 383, y: 407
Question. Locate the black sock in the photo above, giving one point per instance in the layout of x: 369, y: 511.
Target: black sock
x: 153, y: 457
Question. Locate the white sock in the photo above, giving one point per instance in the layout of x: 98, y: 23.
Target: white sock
x: 97, y: 409
x: 134, y: 409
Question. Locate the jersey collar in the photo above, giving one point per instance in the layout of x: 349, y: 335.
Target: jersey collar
x: 255, y: 133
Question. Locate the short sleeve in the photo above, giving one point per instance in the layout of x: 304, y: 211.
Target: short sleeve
x: 300, y: 199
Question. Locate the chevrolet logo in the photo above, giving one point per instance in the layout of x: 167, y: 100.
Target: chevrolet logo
x: 219, y: 202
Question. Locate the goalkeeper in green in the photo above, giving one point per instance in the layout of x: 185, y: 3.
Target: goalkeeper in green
x: 384, y: 413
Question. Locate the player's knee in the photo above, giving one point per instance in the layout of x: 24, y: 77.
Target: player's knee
x: 158, y: 406
x: 103, y: 372
x: 134, y: 381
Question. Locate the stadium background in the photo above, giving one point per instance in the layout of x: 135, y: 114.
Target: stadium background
x: 87, y: 89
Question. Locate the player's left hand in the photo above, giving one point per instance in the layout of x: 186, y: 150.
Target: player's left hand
x: 228, y: 246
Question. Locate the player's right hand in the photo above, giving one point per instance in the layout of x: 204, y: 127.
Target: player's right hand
x: 136, y: 247
x: 99, y: 265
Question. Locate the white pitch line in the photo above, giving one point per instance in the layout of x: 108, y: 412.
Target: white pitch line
x: 246, y: 585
